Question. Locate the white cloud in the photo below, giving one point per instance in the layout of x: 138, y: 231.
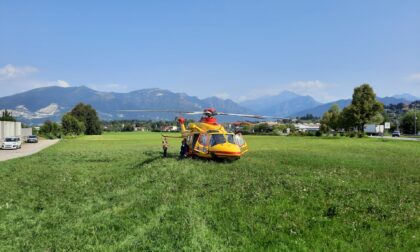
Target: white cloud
x: 16, y: 79
x: 414, y: 77
x: 223, y: 95
x: 39, y: 84
x: 12, y: 72
x: 308, y: 85
x: 62, y: 83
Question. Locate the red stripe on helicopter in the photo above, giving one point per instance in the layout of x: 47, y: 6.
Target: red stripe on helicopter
x: 228, y: 152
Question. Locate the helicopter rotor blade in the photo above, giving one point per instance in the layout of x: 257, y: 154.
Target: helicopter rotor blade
x: 163, y: 110
x: 251, y: 116
x: 201, y: 112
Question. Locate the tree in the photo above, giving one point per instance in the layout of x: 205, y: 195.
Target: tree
x: 7, y: 116
x: 86, y: 114
x: 407, y: 122
x: 377, y: 119
x: 262, y: 128
x: 364, y: 105
x: 330, y: 119
x: 346, y: 119
x: 71, y: 126
x: 128, y: 127
x: 309, y: 117
x: 50, y: 129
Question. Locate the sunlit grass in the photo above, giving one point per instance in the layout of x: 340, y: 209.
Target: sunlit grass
x: 115, y: 192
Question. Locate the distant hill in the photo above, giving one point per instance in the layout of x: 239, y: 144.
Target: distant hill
x: 407, y: 97
x: 321, y: 109
x: 39, y: 104
x: 284, y: 104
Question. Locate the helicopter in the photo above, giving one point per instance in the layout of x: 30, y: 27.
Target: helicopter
x: 207, y: 138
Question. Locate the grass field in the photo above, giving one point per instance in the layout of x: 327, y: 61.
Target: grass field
x: 115, y: 193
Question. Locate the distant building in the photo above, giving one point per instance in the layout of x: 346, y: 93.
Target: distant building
x: 237, y: 126
x: 270, y: 123
x: 170, y: 128
x: 26, y: 132
x: 8, y: 129
x: 142, y: 129
x: 307, y: 127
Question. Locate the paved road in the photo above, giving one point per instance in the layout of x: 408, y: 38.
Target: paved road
x: 398, y: 138
x: 26, y: 150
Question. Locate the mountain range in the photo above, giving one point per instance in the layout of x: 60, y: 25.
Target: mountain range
x: 284, y: 104
x: 37, y: 105
x: 318, y: 111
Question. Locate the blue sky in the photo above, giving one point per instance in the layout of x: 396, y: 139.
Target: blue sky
x: 231, y: 49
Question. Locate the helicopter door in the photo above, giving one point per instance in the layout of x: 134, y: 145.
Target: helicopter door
x: 240, y: 141
x: 194, y: 139
x: 202, y: 144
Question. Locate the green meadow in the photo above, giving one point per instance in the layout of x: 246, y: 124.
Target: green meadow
x: 116, y: 193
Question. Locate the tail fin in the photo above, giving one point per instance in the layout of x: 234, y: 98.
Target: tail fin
x: 181, y: 121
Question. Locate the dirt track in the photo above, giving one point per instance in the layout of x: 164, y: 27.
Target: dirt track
x: 26, y: 150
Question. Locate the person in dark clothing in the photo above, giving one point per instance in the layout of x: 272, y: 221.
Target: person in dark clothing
x: 184, y: 149
x: 165, y: 146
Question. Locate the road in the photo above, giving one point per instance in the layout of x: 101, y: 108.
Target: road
x: 397, y: 138
x: 26, y: 150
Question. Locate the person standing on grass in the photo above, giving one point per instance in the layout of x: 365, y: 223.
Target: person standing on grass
x: 184, y: 149
x: 165, y: 146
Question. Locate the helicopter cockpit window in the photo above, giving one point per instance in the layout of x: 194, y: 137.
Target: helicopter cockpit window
x: 203, y: 139
x: 217, y: 139
x: 230, y: 138
x: 239, y: 140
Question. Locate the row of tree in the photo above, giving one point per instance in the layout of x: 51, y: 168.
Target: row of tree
x: 7, y: 116
x: 82, y: 119
x: 363, y: 109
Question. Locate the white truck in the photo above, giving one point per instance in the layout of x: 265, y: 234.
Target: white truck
x: 374, y: 129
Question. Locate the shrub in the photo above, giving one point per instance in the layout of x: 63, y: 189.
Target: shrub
x: 50, y: 130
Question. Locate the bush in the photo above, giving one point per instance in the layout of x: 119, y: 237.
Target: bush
x: 352, y: 134
x: 318, y: 133
x: 310, y: 133
x: 127, y: 128
x: 71, y: 126
x: 50, y: 130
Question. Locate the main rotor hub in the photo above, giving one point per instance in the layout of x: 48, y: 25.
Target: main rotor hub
x: 209, y: 112
x: 208, y: 116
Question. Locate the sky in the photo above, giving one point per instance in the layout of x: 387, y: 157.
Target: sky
x: 231, y: 49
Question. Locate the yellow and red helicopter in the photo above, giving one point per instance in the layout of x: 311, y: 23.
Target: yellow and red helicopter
x: 209, y: 139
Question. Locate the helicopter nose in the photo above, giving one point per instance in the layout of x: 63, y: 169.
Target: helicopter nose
x: 226, y: 150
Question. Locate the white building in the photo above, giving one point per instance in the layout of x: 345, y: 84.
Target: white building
x: 8, y: 129
x: 307, y: 127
